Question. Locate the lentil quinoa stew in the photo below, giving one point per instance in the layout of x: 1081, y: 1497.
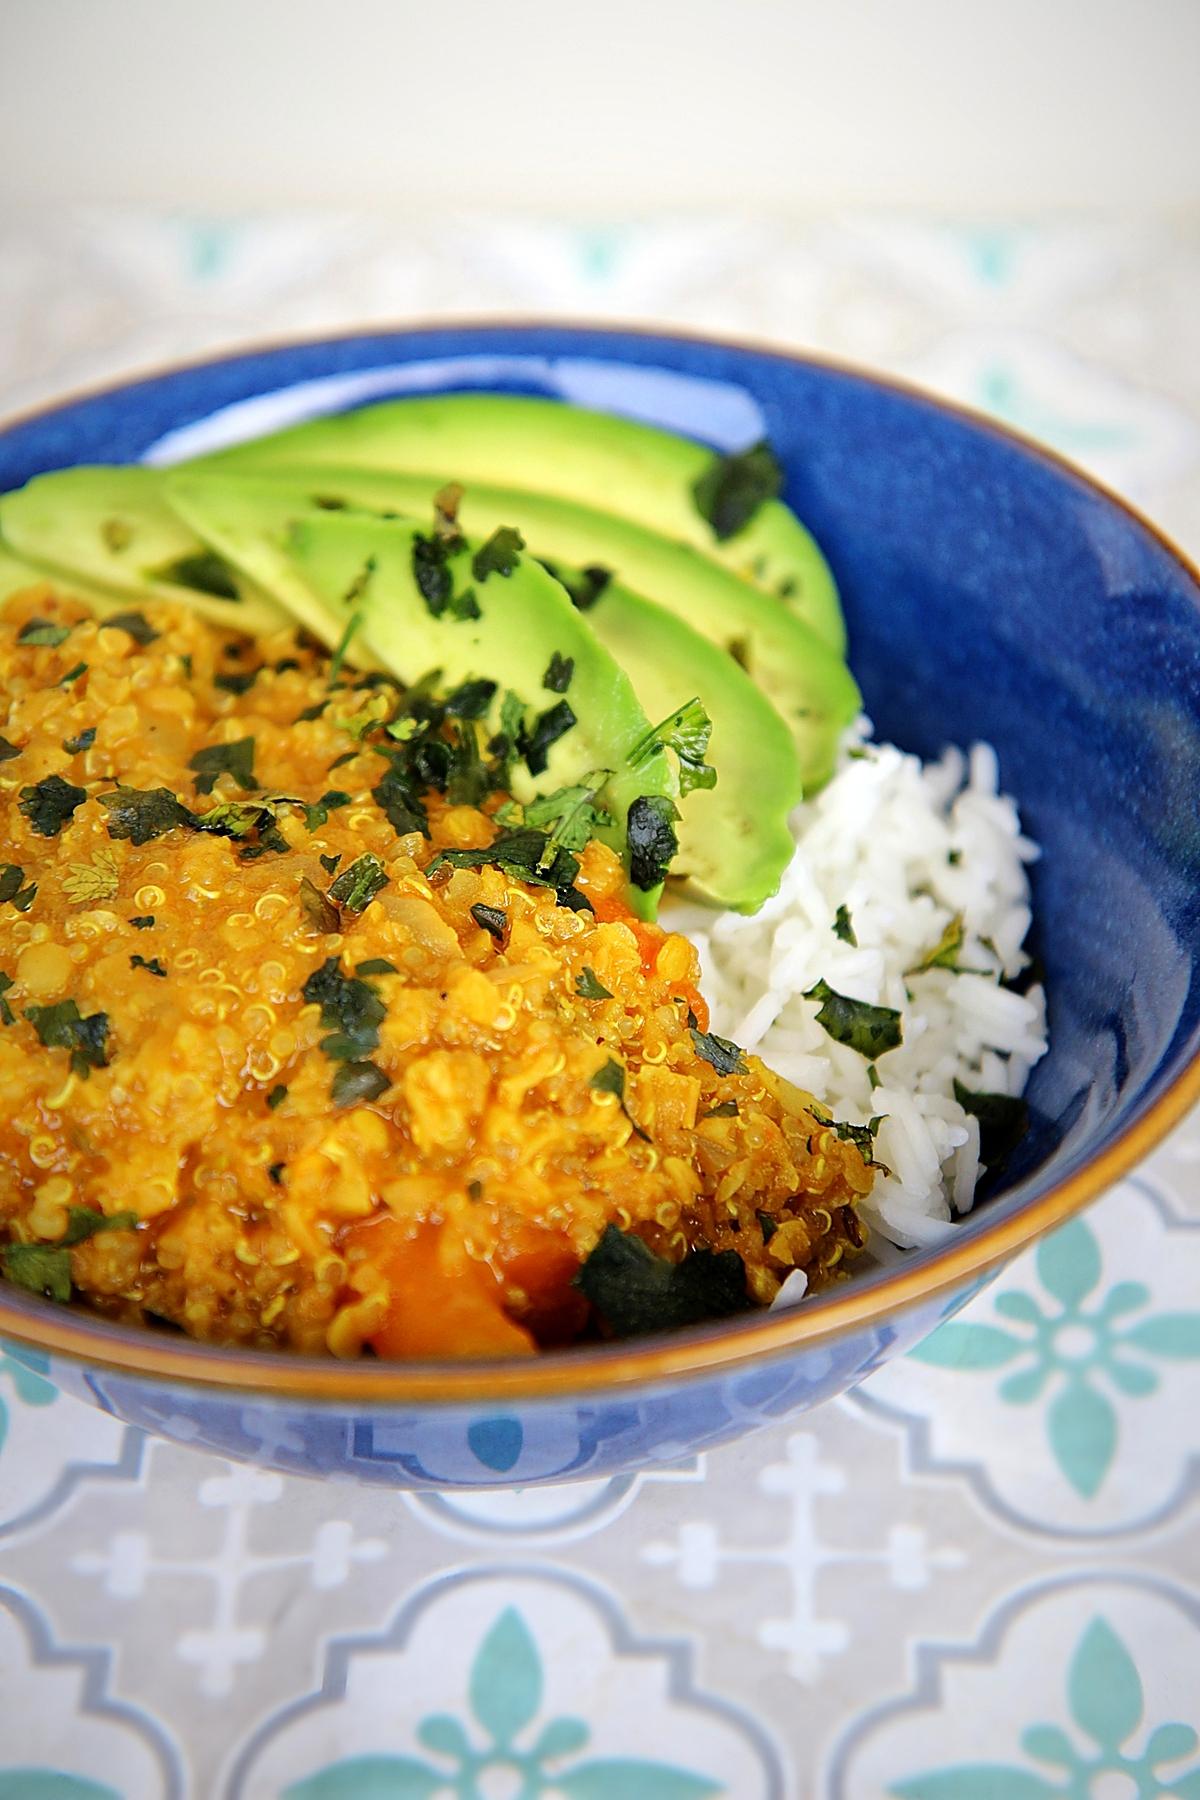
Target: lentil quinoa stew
x: 308, y: 1040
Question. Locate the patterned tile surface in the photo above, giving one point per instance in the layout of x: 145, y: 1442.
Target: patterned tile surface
x: 978, y: 1578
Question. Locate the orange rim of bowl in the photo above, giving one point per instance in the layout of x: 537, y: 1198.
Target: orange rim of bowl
x: 703, y: 1351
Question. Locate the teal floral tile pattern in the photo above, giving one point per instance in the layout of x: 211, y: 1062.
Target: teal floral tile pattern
x: 1111, y: 1713
x: 976, y: 1579
x: 1069, y: 1389
x: 469, y: 1693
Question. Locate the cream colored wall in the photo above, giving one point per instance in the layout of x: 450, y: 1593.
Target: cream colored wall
x: 629, y: 104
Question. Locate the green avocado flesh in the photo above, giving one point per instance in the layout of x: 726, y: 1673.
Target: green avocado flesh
x: 734, y: 841
x: 525, y: 620
x: 111, y: 528
x: 598, y: 459
x: 807, y: 684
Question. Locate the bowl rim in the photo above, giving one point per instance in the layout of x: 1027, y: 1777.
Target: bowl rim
x: 693, y: 1354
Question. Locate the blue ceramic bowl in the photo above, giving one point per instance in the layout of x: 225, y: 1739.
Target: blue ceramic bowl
x: 990, y: 591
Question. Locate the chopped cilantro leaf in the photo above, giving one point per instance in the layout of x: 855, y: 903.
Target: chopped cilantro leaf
x: 75, y: 746
x: 7, y: 1016
x: 589, y: 986
x: 8, y: 751
x: 84, y: 1222
x: 871, y: 1030
x: 1003, y: 1122
x: 61, y: 1027
x: 862, y: 1136
x: 767, y: 1225
x: 311, y: 712
x: 944, y: 954
x: 499, y: 555
x: 320, y: 912
x: 153, y: 967
x: 356, y: 1081
x: 570, y: 813
x: 724, y: 1057
x: 71, y: 675
x: 650, y: 833
x: 136, y: 624
x: 431, y: 572
x: 843, y: 928
x: 635, y: 1291
x: 41, y: 1268
x: 471, y: 700
x: 492, y: 919
x: 329, y: 863
x: 686, y: 732
x: 725, y: 1109
x: 50, y: 804
x: 11, y: 890
x: 398, y: 799
x: 350, y: 1010
x: 277, y: 1095
x: 610, y: 1079
x: 236, y: 760
x: 519, y: 854
x: 559, y: 671
x: 44, y: 634
x: 584, y: 586
x: 142, y: 921
x: 275, y: 1173
x: 548, y: 727
x: 142, y: 814
x: 357, y: 886
x: 376, y: 965
x: 732, y: 488
x: 204, y: 572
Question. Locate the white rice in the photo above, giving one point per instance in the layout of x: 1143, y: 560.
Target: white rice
x: 905, y: 848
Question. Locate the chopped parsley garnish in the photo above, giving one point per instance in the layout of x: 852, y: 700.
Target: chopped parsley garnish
x: 944, y: 954
x: 635, y: 1291
x: 238, y: 682
x: 589, y: 986
x: 329, y: 863
x: 871, y: 1030
x: 650, y: 833
x: 235, y: 760
x: 312, y: 712
x: 351, y: 1011
x: 842, y: 927
x: 7, y: 1016
x: 1003, y: 1122
x: 521, y: 854
x: 46, y: 1268
x: 376, y: 965
x: 50, y: 804
x: 499, y: 555
x: 356, y: 1081
x: 13, y: 889
x: 142, y: 921
x: 767, y: 1225
x: 204, y: 572
x: 71, y: 675
x: 275, y: 1173
x: 141, y: 814
x: 435, y: 578
x: 320, y: 912
x: 732, y: 488
x: 400, y: 801
x: 584, y: 586
x: 152, y: 967
x: 471, y: 700
x: 862, y: 1136
x: 548, y: 727
x: 8, y: 751
x: 725, y: 1109
x: 724, y: 1057
x: 358, y: 885
x: 62, y: 1027
x: 277, y: 1095
x: 610, y: 1079
x: 136, y: 624
x: 686, y: 732
x: 75, y: 746
x: 559, y: 671
x: 570, y: 814
x: 43, y: 633
x: 492, y: 919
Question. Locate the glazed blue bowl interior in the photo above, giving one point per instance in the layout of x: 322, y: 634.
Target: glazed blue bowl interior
x: 989, y: 593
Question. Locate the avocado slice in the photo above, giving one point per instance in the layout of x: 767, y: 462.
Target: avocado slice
x: 734, y: 841
x: 110, y: 527
x: 807, y: 683
x: 365, y: 567
x: 601, y: 460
